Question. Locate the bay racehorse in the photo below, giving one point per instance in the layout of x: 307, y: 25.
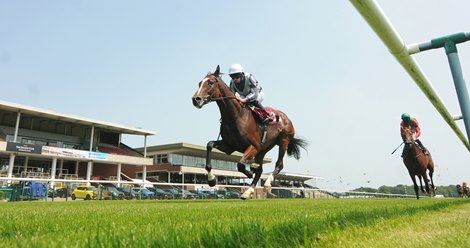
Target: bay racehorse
x: 240, y: 131
x: 417, y: 163
x: 463, y: 190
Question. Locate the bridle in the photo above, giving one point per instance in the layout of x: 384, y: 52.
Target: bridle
x: 215, y: 99
x: 410, y: 142
x: 209, y: 98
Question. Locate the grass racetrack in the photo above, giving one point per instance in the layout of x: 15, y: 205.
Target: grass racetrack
x: 235, y: 223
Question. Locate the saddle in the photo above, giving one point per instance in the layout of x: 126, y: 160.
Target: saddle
x: 424, y: 150
x: 260, y: 115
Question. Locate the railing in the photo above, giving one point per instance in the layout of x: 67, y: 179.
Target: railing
x: 14, y: 189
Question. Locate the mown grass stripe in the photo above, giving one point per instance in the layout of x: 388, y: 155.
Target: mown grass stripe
x: 213, y: 223
x: 434, y: 227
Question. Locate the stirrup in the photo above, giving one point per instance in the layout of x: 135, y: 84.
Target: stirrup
x: 265, y: 130
x: 267, y: 120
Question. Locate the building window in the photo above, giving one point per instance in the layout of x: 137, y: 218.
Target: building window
x: 161, y: 159
x: 185, y: 160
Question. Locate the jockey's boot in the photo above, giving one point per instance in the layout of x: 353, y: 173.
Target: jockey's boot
x: 267, y: 120
x: 425, y: 151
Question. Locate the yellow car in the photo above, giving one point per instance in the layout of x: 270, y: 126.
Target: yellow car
x: 85, y: 192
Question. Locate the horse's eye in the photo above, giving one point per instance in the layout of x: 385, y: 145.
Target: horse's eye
x: 210, y: 83
x: 200, y: 83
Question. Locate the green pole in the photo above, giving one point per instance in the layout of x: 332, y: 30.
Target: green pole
x: 459, y: 82
x: 449, y: 44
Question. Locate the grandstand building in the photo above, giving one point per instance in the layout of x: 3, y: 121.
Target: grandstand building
x: 38, y: 143
x: 184, y: 164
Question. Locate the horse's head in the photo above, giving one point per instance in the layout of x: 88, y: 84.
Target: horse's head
x: 407, y: 135
x: 209, y: 89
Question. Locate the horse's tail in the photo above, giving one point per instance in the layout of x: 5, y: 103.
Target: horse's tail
x: 293, y: 149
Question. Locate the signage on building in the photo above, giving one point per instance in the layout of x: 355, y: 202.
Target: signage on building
x: 19, y: 147
x: 72, y: 153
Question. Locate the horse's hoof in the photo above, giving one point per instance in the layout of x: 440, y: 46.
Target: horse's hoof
x: 211, y: 183
x: 245, y: 196
x: 267, y: 188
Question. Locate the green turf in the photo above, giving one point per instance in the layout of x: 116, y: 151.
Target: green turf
x: 235, y: 223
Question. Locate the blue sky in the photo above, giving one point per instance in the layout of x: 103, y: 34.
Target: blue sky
x: 138, y: 64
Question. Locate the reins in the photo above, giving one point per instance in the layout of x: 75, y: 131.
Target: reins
x: 220, y: 98
x: 416, y: 156
x: 411, y: 143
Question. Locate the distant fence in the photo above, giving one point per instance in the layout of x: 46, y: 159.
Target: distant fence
x: 28, y: 189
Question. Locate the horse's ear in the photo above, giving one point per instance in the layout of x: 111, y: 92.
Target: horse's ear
x: 209, y: 73
x: 217, y: 71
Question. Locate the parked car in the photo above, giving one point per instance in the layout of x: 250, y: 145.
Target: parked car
x: 160, y: 193
x: 213, y: 194
x: 128, y: 192
x: 229, y: 193
x: 59, y: 192
x: 217, y: 195
x: 144, y: 193
x: 85, y: 192
x: 173, y: 192
x: 114, y: 193
x: 201, y: 194
x: 186, y: 194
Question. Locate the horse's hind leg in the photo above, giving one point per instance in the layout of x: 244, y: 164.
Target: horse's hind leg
x: 431, y: 172
x: 279, y: 165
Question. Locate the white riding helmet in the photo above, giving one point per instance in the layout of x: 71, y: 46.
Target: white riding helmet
x: 235, y: 68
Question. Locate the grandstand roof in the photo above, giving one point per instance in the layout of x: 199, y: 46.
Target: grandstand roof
x: 295, y: 176
x: 194, y: 150
x: 33, y: 111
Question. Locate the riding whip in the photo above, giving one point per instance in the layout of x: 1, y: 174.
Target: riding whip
x: 398, y: 147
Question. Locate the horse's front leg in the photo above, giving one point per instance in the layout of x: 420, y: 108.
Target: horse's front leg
x: 258, y: 170
x: 211, y: 178
x: 421, y: 184
x: 430, y: 168
x: 248, y: 156
x: 413, y: 178
x: 427, y: 185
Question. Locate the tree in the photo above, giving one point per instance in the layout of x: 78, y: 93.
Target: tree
x: 446, y: 191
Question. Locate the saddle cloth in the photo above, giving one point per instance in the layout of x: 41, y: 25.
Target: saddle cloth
x: 260, y: 115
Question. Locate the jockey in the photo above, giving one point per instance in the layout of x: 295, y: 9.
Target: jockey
x: 247, y: 87
x: 408, y: 121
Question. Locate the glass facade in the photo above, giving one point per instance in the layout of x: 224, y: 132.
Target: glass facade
x: 185, y: 160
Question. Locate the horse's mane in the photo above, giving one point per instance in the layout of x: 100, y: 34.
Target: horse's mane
x: 225, y: 90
